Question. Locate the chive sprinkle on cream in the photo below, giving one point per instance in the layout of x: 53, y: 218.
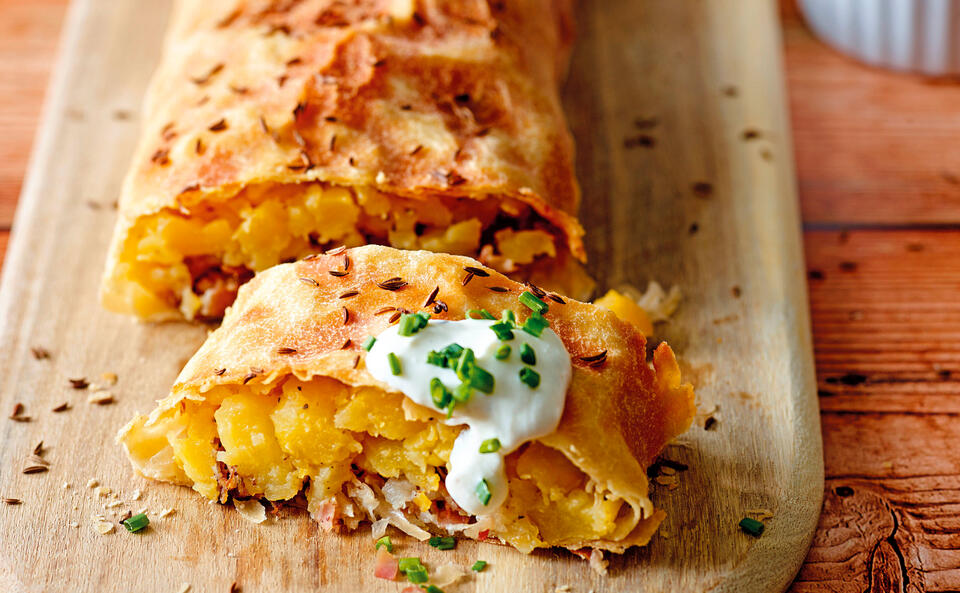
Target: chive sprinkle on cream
x: 530, y: 377
x: 527, y: 354
x: 490, y: 445
x: 394, y: 361
x: 504, y: 330
x: 480, y: 374
x: 483, y: 492
x: 535, y: 324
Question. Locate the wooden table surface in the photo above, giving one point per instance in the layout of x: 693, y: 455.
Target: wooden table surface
x: 879, y: 177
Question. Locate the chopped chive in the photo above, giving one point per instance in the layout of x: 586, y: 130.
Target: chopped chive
x: 407, y: 325
x: 395, y: 367
x: 533, y: 303
x: 535, y: 324
x: 527, y: 354
x: 530, y: 377
x: 443, y: 543
x: 411, y: 323
x: 480, y: 314
x: 504, y: 330
x: 483, y: 492
x: 462, y: 392
x: 384, y: 542
x: 479, y: 565
x: 751, y: 526
x: 480, y: 379
x: 369, y: 342
x: 503, y: 352
x: 490, y: 446
x: 405, y: 564
x: 413, y: 566
x: 417, y: 576
x: 437, y: 359
x: 432, y: 589
x: 508, y: 316
x: 453, y: 351
x: 136, y: 522
x: 464, y: 363
x: 439, y: 393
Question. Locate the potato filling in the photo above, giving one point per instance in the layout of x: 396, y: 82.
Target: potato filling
x: 196, y: 260
x: 362, y: 454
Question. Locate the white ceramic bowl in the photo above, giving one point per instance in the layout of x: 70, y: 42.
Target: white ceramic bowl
x: 912, y: 35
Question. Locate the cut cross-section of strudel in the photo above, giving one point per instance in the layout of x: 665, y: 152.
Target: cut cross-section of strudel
x: 427, y: 392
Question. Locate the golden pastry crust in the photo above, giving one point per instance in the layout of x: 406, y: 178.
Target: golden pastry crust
x: 416, y: 99
x: 289, y: 321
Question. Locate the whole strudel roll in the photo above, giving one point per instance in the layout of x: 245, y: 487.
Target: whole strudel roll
x: 427, y: 392
x: 274, y: 129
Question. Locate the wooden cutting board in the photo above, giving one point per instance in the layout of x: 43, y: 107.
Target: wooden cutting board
x: 684, y: 157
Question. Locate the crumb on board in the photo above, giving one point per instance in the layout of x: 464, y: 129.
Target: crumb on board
x: 165, y: 513
x: 93, y: 483
x: 251, y: 510
x: 102, y: 526
x: 100, y: 398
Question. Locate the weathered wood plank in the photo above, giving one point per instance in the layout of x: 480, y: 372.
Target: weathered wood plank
x: 886, y: 319
x: 891, y: 515
x: 29, y: 34
x: 871, y: 146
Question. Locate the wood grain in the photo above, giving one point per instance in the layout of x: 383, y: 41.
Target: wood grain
x: 29, y: 32
x: 885, y: 312
x: 872, y: 147
x: 750, y: 355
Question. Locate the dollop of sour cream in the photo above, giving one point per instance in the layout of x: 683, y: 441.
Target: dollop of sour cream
x: 513, y: 413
